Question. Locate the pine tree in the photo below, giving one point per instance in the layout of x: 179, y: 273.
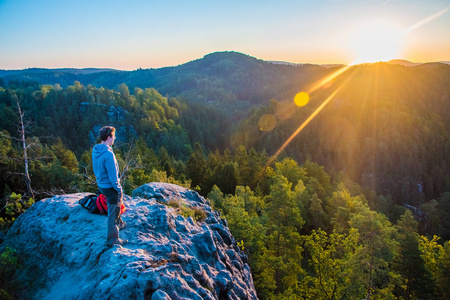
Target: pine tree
x: 280, y: 262
x: 196, y: 167
x: 416, y: 279
x: 67, y: 157
x: 327, y: 255
x: 371, y: 261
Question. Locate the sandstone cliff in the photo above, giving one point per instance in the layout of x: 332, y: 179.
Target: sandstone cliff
x: 169, y: 255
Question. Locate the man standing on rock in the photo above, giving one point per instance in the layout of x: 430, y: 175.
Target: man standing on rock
x: 106, y: 171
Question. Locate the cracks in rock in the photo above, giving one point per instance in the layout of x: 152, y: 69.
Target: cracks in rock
x: 97, y: 258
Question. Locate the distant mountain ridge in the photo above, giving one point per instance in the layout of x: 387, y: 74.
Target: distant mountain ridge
x: 63, y: 70
x: 301, y: 64
x: 219, y: 77
x: 403, y: 62
x: 408, y: 63
x: 4, y: 72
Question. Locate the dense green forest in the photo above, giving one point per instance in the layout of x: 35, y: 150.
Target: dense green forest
x: 357, y: 204
x: 387, y: 128
x: 220, y: 77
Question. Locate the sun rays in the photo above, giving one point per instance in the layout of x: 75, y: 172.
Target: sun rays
x: 387, y: 44
x: 427, y: 20
x: 376, y: 41
x: 303, y: 125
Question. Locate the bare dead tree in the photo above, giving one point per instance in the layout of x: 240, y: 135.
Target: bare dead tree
x: 25, y: 146
x: 30, y: 147
x: 131, y: 162
x: 87, y: 175
x: 6, y: 202
x: 51, y: 193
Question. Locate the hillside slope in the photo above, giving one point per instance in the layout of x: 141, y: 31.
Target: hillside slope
x: 220, y: 76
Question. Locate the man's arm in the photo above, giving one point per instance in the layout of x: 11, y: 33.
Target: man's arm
x: 113, y: 172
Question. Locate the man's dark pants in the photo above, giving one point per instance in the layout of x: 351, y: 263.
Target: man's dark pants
x: 114, y: 200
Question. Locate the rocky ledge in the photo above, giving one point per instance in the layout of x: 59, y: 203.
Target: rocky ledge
x: 179, y: 248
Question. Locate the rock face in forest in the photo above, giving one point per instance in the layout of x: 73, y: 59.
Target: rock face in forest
x: 179, y: 248
x: 117, y: 117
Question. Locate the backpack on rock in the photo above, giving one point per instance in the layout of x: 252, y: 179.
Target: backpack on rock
x: 102, y: 205
x: 90, y: 203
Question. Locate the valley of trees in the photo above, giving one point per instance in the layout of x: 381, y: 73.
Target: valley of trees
x: 356, y: 206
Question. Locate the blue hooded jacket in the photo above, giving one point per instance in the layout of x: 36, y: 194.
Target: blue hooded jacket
x: 105, y: 167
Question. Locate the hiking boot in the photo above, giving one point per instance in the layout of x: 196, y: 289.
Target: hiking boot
x: 123, y: 225
x: 118, y: 242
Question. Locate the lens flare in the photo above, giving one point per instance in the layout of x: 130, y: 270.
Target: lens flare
x: 329, y: 79
x: 373, y: 44
x: 301, y: 99
x: 267, y: 122
x: 300, y: 128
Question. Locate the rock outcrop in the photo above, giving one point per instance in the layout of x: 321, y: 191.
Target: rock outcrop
x: 169, y: 255
x: 117, y: 117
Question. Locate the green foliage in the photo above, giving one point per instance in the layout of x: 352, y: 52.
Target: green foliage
x: 371, y: 261
x: 279, y: 263
x: 216, y: 198
x: 242, y: 223
x: 437, y: 261
x: 380, y: 132
x: 344, y: 206
x: 196, y: 166
x: 196, y: 213
x: 65, y: 156
x: 12, y: 207
x: 9, y: 263
x: 290, y: 169
x: 342, y: 249
x: 409, y: 263
x: 161, y: 176
x: 443, y: 213
x: 327, y: 276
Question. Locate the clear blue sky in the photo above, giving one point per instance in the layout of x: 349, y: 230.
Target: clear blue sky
x: 156, y: 33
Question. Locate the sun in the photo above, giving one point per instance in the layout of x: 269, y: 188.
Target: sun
x: 378, y: 41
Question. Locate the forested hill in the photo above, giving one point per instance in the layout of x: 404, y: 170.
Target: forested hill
x: 388, y: 127
x: 216, y: 78
x: 221, y: 76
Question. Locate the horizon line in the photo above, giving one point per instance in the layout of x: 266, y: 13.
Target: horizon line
x: 269, y: 61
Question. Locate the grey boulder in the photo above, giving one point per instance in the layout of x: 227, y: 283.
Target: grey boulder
x: 172, y: 253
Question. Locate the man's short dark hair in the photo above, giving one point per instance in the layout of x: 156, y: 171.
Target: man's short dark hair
x: 105, y: 132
